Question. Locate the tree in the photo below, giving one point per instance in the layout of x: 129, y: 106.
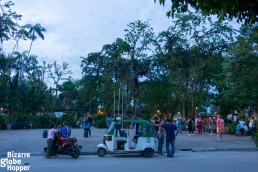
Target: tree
x: 239, y: 9
x: 8, y: 22
x: 140, y: 38
x: 21, y: 34
x: 69, y: 93
x: 238, y: 89
x: 35, y: 31
x: 57, y: 73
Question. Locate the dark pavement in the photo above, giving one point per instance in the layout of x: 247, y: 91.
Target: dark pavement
x: 32, y: 141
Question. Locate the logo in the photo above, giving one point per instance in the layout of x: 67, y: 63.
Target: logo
x: 13, y: 162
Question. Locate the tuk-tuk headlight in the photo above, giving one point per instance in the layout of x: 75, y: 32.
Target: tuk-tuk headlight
x: 108, y: 138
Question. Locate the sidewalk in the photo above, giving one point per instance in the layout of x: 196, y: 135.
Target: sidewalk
x: 32, y: 141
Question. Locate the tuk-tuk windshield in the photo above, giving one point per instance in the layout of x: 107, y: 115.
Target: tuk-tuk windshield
x: 110, y: 130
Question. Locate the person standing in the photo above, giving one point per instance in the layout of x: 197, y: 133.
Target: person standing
x: 86, y: 127
x: 190, y: 126
x: 171, y: 133
x: 199, y: 125
x: 237, y: 129
x: 50, y: 141
x: 220, y: 128
x: 80, y: 121
x: 242, y: 127
x: 178, y: 122
x: 251, y: 125
x: 156, y: 120
x: 211, y: 126
x: 118, y: 125
x: 196, y: 124
x: 161, y: 139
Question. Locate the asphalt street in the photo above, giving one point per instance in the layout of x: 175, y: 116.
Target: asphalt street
x: 184, y: 161
x: 32, y: 141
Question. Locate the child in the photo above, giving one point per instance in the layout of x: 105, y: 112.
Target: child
x: 237, y: 129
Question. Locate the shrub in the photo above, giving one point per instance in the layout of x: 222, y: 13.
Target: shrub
x: 3, y: 122
x: 70, y: 119
x: 232, y: 127
x: 20, y: 117
x: 43, y: 121
x: 99, y: 121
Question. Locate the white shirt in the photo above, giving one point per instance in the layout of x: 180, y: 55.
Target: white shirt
x: 51, y: 134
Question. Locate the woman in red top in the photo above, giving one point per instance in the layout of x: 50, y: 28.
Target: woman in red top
x: 220, y: 127
x: 199, y: 125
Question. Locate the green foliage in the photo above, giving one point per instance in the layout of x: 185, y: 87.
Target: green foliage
x: 20, y: 117
x: 70, y: 118
x: 99, y: 121
x: 43, y: 121
x: 232, y: 127
x: 3, y: 122
x: 239, y: 9
x: 171, y: 71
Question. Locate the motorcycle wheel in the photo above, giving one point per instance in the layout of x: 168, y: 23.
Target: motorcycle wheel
x: 75, y: 154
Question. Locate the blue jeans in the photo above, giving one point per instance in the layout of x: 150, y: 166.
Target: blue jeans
x: 172, y: 151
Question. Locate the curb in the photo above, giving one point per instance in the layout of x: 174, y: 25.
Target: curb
x: 224, y: 149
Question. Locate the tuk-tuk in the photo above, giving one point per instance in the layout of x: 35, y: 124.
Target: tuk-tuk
x: 136, y: 136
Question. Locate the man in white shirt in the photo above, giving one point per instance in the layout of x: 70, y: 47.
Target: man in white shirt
x: 50, y: 140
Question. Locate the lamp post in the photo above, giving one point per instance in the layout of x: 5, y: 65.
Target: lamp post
x: 196, y: 109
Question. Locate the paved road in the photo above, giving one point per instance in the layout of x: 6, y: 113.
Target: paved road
x: 32, y: 141
x: 184, y: 161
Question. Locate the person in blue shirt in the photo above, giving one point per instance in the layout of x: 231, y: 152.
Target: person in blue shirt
x: 65, y: 131
x: 171, y: 133
x: 86, y: 126
x: 237, y: 129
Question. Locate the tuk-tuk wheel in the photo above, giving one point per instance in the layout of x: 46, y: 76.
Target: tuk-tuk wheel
x: 148, y: 152
x: 101, y: 152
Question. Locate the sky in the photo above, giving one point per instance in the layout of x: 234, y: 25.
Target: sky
x: 78, y: 27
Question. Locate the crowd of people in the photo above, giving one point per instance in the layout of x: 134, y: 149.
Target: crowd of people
x: 165, y: 130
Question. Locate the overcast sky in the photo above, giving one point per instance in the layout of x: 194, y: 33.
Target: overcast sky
x: 78, y: 27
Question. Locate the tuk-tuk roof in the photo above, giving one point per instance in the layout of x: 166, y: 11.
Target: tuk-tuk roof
x: 144, y: 123
x: 141, y: 121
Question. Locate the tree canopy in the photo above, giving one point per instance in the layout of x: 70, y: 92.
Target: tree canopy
x: 243, y: 11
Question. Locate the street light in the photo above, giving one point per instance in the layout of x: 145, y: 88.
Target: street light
x: 196, y: 108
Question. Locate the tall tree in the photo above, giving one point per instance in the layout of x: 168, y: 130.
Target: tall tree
x: 58, y: 73
x: 35, y: 31
x: 140, y: 37
x: 239, y: 88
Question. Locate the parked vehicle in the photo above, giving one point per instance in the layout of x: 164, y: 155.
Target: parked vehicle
x: 66, y: 147
x: 137, y: 136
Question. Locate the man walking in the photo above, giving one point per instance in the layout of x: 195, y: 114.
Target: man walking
x: 171, y: 133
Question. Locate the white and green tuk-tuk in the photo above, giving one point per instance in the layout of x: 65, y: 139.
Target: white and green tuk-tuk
x: 137, y: 136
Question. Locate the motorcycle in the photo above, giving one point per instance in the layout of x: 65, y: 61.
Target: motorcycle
x: 66, y: 147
